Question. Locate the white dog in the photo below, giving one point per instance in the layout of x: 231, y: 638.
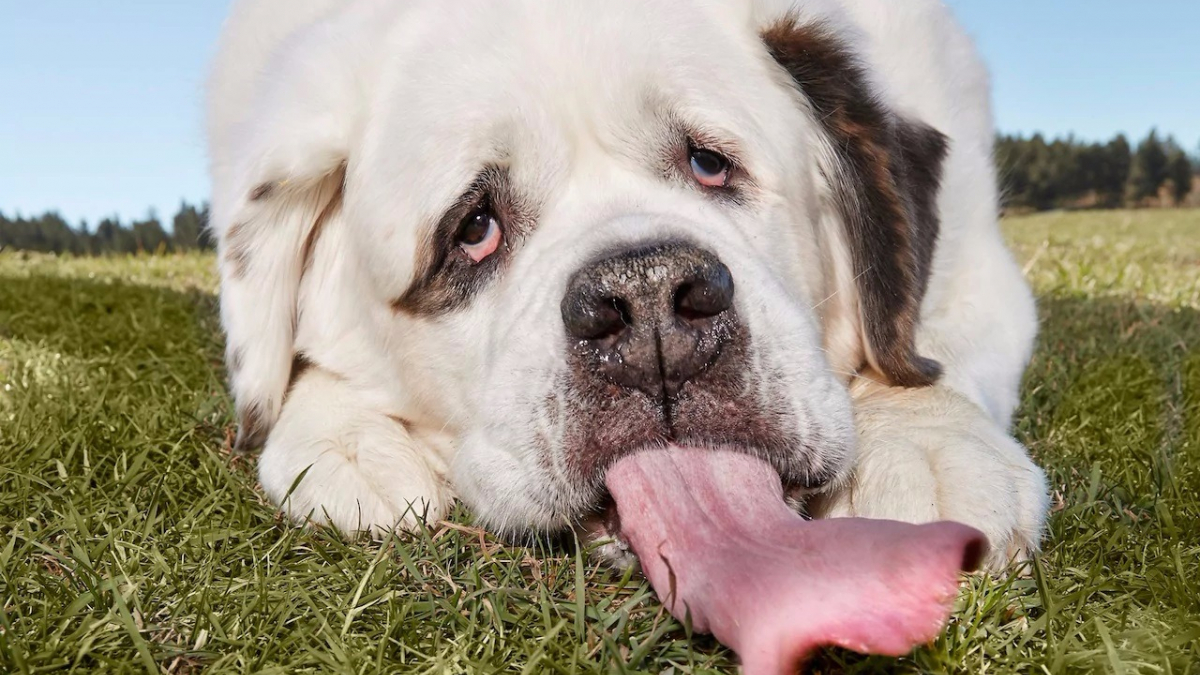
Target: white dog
x: 480, y: 250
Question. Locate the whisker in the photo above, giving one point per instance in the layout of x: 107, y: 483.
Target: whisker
x: 835, y: 293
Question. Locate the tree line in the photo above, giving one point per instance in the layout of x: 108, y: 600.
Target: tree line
x: 1035, y: 174
x: 50, y: 233
x: 1038, y: 175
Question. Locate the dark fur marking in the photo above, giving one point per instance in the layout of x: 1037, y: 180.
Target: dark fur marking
x: 301, y: 364
x: 314, y: 234
x: 408, y: 426
x: 922, y: 151
x: 234, y: 360
x: 332, y: 206
x: 444, y: 279
x: 237, y: 250
x: 890, y: 173
x: 262, y: 192
x: 252, y: 428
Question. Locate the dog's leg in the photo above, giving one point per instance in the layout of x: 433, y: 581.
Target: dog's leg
x: 333, y: 459
x: 931, y: 454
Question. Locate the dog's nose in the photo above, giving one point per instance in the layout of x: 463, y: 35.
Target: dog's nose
x: 654, y: 315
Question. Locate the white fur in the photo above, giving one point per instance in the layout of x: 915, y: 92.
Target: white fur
x: 345, y: 446
x: 369, y: 117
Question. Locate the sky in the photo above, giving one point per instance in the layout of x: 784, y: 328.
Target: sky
x: 101, y: 102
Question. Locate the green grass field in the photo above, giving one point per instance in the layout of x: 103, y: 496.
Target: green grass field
x: 130, y: 539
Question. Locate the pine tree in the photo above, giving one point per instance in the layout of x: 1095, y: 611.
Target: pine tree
x: 1148, y: 171
x: 186, y: 228
x: 1179, y: 173
x: 6, y: 230
x: 1115, y: 174
x: 150, y: 236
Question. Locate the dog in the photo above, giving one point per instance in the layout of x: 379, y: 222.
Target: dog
x: 483, y: 250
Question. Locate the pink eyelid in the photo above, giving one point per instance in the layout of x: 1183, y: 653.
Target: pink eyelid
x: 717, y: 180
x: 479, y: 252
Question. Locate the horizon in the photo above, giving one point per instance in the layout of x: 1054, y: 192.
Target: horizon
x: 110, y: 121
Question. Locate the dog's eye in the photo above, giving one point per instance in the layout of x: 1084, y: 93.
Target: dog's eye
x: 711, y: 169
x: 479, y: 235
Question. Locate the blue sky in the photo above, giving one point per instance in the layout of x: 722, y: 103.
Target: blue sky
x: 100, y: 102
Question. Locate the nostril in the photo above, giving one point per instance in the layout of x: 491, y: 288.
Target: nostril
x: 706, y: 296
x: 685, y: 304
x: 596, y: 317
x: 613, y: 317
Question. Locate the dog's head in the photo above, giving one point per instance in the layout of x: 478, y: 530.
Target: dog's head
x: 571, y: 231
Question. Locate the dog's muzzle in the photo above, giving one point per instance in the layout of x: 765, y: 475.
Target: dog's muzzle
x: 658, y: 354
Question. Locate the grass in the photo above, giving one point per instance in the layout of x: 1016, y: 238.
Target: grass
x: 131, y: 541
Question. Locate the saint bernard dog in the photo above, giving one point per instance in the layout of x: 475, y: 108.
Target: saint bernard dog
x: 483, y: 250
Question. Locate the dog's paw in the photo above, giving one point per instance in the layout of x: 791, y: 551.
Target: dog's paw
x: 331, y: 460
x: 930, y: 454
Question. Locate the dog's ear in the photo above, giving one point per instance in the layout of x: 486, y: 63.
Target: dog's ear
x: 884, y: 173
x: 279, y: 159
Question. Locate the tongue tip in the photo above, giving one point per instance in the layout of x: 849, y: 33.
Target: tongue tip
x: 790, y: 655
x: 974, y: 552
x: 769, y: 646
x: 711, y: 529
x: 963, y: 545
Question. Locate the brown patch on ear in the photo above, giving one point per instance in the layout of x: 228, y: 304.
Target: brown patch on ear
x: 253, y: 431
x: 886, y: 184
x: 921, y: 152
x: 252, y: 428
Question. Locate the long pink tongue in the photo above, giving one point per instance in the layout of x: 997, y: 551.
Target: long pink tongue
x: 721, y: 546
